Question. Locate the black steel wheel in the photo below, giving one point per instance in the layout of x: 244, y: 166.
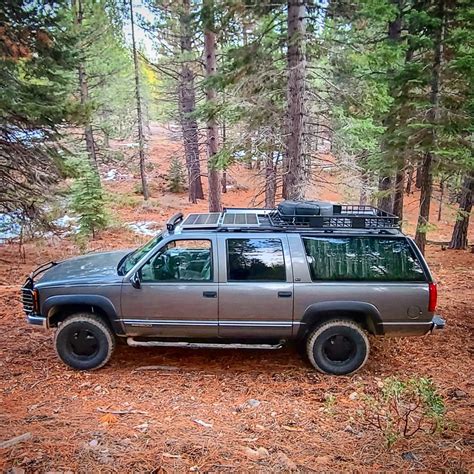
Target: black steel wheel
x: 338, y: 347
x: 84, y: 341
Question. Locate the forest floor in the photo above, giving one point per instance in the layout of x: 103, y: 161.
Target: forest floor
x: 210, y: 410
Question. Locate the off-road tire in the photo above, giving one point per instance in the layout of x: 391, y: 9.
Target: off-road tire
x: 349, y: 331
x: 95, y: 330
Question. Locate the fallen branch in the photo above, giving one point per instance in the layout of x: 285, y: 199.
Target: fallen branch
x: 122, y: 412
x: 437, y: 242
x: 17, y: 439
x: 156, y: 367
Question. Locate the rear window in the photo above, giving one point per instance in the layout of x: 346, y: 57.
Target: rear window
x: 255, y: 260
x: 362, y: 259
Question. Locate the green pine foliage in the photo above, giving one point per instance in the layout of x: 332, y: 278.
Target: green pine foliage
x: 176, y: 176
x: 37, y: 59
x: 87, y: 199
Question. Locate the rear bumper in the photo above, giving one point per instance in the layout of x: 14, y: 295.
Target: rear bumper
x: 413, y: 328
x: 37, y: 320
x: 437, y: 323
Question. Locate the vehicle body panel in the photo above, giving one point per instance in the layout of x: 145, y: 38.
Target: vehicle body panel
x: 91, y: 269
x: 403, y: 305
x: 171, y: 309
x: 254, y: 309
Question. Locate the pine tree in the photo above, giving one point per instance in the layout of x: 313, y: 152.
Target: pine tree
x: 78, y: 11
x: 36, y: 76
x: 187, y: 104
x: 459, y: 237
x: 176, y: 176
x: 433, y: 115
x: 141, y: 137
x: 88, y: 200
x: 294, y: 160
x: 177, y: 28
x: 210, y: 49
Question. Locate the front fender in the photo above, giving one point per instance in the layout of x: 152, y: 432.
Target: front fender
x: 54, y: 303
x: 318, y: 312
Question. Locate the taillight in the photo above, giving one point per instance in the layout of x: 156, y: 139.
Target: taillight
x: 433, y: 298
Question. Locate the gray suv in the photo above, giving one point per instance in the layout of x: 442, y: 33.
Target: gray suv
x: 320, y: 274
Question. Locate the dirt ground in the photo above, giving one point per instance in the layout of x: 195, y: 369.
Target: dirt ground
x: 211, y: 410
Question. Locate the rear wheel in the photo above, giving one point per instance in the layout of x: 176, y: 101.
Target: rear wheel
x: 84, y: 342
x: 338, y: 347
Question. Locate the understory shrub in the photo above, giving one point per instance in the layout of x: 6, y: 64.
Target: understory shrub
x: 400, y: 409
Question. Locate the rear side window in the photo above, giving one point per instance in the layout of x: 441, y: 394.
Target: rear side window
x: 362, y: 259
x: 255, y: 260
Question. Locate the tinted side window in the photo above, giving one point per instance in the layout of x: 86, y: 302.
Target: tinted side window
x: 255, y: 260
x: 362, y: 259
x: 180, y: 260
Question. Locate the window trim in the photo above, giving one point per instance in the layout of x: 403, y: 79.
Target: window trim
x: 409, y: 246
x: 181, y: 282
x: 255, y: 281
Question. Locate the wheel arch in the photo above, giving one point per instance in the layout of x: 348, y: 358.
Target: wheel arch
x: 57, y: 308
x: 365, y: 314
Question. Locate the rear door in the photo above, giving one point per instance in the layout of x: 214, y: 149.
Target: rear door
x: 255, y: 286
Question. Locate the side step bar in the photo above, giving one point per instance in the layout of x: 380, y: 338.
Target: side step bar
x: 202, y: 345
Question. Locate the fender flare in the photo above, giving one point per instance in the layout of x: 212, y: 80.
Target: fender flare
x: 101, y: 302
x: 319, y: 311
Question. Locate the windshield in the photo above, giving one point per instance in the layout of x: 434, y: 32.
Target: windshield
x: 134, y: 257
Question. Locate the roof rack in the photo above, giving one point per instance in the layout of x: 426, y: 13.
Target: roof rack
x: 341, y: 216
x: 332, y: 217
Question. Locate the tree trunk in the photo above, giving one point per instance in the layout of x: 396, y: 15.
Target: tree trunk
x: 385, y: 199
x: 294, y: 160
x: 212, y: 128
x: 224, y: 171
x: 270, y: 181
x: 426, y: 172
x: 187, y: 103
x: 418, y: 178
x: 408, y: 189
x: 106, y: 140
x: 459, y: 238
x: 84, y: 90
x: 141, y: 138
x: 364, y: 187
x: 441, y: 197
x: 399, y: 194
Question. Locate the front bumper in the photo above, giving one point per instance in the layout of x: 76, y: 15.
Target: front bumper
x: 437, y: 323
x: 37, y: 320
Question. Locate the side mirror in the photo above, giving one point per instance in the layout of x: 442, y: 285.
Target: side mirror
x: 135, y: 280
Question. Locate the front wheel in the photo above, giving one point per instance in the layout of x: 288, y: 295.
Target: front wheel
x: 338, y: 347
x: 84, y: 342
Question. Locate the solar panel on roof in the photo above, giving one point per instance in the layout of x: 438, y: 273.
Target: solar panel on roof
x: 202, y: 220
x: 239, y: 219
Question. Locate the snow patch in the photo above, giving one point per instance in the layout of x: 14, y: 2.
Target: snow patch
x: 111, y: 175
x: 9, y: 227
x: 148, y: 228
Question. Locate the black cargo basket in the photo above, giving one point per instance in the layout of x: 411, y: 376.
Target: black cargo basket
x: 344, y: 216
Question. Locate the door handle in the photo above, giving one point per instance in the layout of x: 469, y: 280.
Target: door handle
x: 285, y: 294
x: 209, y: 294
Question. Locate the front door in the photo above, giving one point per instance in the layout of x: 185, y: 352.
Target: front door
x: 256, y: 287
x: 178, y: 292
